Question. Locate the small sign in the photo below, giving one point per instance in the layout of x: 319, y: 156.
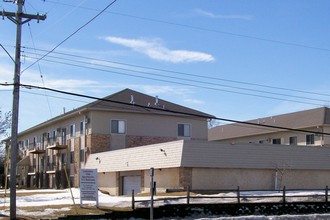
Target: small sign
x: 88, y: 186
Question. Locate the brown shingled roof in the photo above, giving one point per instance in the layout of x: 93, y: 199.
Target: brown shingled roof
x: 133, y: 101
x: 296, y: 120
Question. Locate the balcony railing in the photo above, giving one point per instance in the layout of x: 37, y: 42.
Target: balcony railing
x: 32, y: 169
x: 51, y: 167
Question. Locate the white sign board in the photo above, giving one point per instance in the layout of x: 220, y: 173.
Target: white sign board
x: 88, y: 185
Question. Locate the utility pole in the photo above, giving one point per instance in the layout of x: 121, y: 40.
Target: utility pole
x: 17, y: 18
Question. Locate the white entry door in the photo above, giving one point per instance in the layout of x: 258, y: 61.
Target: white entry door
x: 130, y: 183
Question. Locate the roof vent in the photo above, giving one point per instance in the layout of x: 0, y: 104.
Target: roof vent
x: 156, y: 101
x: 132, y: 100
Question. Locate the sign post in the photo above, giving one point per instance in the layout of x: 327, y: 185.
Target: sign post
x: 88, y: 186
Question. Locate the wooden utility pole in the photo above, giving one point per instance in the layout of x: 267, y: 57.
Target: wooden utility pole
x: 17, y: 18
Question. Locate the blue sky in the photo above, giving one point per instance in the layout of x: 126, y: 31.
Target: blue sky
x: 234, y: 59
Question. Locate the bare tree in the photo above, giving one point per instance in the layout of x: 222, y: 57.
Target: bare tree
x: 5, y: 124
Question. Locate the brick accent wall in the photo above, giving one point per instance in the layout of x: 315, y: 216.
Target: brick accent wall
x: 135, y: 141
x: 98, y: 143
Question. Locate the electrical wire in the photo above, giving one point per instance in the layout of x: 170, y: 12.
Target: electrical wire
x: 41, y: 76
x: 67, y: 38
x: 92, y: 67
x: 206, y: 29
x: 187, y: 74
x: 7, y: 53
x: 169, y: 110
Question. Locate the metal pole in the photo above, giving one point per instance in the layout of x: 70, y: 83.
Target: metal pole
x: 151, y: 193
x: 15, y: 110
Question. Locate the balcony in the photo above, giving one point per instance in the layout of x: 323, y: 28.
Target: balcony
x: 37, y: 149
x: 56, y: 144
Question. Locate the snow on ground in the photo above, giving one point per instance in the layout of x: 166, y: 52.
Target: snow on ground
x: 63, y: 197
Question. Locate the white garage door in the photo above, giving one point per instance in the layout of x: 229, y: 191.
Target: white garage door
x: 130, y: 183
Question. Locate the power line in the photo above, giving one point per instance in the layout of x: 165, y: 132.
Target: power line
x: 189, y: 74
x: 67, y: 38
x: 7, y: 53
x: 170, y: 111
x: 184, y: 83
x: 41, y: 76
x: 205, y: 29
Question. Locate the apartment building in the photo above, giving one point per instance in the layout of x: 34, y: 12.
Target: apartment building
x: 313, y: 123
x: 61, y: 146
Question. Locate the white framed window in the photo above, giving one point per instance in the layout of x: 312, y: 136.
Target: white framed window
x: 71, y: 156
x: 310, y: 139
x: 63, y: 141
x: 26, y: 145
x: 72, y: 130
x: 293, y: 140
x: 276, y: 140
x: 184, y: 130
x: 34, y: 141
x: 82, y: 127
x: 82, y: 155
x: 118, y: 126
x: 54, y: 135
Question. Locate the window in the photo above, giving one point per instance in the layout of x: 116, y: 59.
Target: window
x: 42, y: 141
x: 82, y: 155
x: 72, y: 130
x: 63, y: 136
x: 81, y: 127
x: 310, y: 139
x: 71, y: 180
x: 72, y: 157
x: 276, y: 141
x: 118, y: 127
x: 184, y: 130
x: 63, y: 159
x: 34, y: 141
x: 293, y: 140
x: 54, y: 136
x: 26, y: 145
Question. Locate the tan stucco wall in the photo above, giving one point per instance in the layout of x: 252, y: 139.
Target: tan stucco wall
x: 214, y: 179
x: 109, y: 183
x: 165, y: 179
x: 148, y: 125
x: 252, y: 179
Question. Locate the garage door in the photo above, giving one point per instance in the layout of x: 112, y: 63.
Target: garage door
x: 130, y: 183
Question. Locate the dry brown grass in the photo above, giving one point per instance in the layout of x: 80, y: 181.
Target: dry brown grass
x: 38, y: 212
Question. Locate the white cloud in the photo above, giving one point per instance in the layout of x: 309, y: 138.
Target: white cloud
x: 194, y: 101
x: 6, y: 76
x: 154, y: 49
x: 158, y: 90
x: 218, y: 16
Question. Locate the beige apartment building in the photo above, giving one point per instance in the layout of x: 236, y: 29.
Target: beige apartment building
x: 312, y: 123
x: 127, y: 133
x: 123, y: 120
